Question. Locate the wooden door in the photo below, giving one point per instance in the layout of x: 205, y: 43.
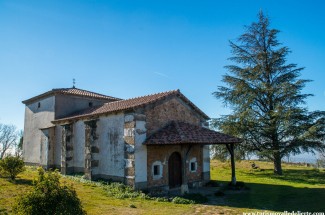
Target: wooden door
x: 175, y: 170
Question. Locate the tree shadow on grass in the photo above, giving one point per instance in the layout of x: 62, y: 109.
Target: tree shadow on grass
x: 274, y: 198
x: 22, y: 181
x: 309, y: 176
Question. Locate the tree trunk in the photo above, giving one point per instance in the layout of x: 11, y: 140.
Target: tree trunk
x: 277, y: 163
x: 233, y: 168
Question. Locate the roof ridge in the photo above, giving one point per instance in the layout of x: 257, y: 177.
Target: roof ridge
x: 71, y: 91
x: 153, y: 94
x: 139, y: 97
x: 75, y: 88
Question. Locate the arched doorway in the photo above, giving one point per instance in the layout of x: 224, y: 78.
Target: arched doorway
x: 175, y: 170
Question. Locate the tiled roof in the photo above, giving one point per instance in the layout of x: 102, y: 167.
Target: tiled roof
x: 71, y: 91
x: 129, y: 104
x: 184, y: 133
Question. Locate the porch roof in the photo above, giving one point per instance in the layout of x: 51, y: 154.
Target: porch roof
x: 184, y: 133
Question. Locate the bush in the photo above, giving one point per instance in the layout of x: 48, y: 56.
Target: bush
x: 11, y: 166
x: 180, y: 200
x: 113, y: 189
x: 121, y: 191
x: 161, y: 199
x: 49, y: 197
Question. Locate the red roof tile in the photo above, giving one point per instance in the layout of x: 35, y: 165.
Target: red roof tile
x: 128, y: 104
x: 71, y: 91
x: 184, y: 133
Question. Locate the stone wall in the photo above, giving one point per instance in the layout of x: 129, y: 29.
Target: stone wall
x: 161, y: 154
x: 67, y: 149
x: 91, y: 148
x: 129, y: 142
x: 172, y: 108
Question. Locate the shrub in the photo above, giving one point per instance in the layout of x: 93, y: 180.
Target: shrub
x: 113, y: 189
x: 11, y: 166
x: 161, y: 199
x: 49, y: 197
x: 180, y: 200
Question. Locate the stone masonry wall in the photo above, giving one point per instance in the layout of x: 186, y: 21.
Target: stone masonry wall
x: 91, y: 149
x: 129, y: 141
x: 172, y: 109
x: 67, y: 149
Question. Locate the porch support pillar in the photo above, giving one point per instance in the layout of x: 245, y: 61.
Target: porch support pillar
x: 184, y: 186
x: 230, y: 148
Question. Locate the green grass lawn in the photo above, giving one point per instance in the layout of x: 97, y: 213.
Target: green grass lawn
x: 300, y: 189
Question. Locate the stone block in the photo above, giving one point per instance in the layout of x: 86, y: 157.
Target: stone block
x: 129, y: 181
x: 129, y: 163
x: 67, y: 138
x: 128, y: 155
x: 69, y: 147
x: 94, y: 163
x: 69, y: 158
x: 94, y: 149
x: 129, y: 140
x: 128, y: 132
x: 129, y: 148
x: 129, y: 124
x: 129, y: 171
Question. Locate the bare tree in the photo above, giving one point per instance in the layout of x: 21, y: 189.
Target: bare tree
x: 19, y: 144
x: 8, y: 138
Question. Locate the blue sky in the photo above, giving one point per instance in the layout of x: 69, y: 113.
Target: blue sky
x: 133, y: 48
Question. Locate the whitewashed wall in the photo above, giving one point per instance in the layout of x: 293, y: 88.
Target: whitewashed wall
x: 79, y: 145
x: 35, y: 119
x: 111, y: 145
x: 140, y: 152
